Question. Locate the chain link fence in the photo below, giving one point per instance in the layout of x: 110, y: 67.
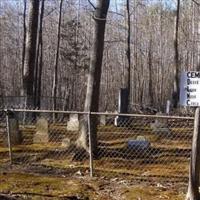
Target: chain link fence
x: 144, y: 147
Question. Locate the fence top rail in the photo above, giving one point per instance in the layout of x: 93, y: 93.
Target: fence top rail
x: 99, y: 113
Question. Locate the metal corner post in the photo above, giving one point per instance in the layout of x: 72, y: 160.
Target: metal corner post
x: 8, y: 136
x: 90, y: 146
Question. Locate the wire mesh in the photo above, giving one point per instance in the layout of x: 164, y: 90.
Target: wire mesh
x: 47, y: 143
x: 4, y: 150
x: 144, y: 147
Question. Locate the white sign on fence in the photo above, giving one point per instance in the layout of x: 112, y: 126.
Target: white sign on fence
x: 190, y: 88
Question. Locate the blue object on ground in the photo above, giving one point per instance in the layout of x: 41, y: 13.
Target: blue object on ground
x: 138, y: 144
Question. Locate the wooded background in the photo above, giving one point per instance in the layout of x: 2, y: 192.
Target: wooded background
x: 153, y: 40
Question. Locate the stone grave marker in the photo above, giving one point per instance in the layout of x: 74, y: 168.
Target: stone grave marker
x: 41, y: 135
x: 160, y: 126
x: 103, y: 120
x: 122, y: 106
x: 15, y: 134
x: 73, y: 123
x: 140, y: 143
x: 168, y: 107
x: 66, y: 143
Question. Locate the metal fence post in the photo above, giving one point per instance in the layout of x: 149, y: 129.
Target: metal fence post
x: 8, y: 136
x: 90, y: 146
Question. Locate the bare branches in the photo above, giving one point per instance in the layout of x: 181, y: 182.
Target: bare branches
x: 197, y: 3
x: 92, y: 4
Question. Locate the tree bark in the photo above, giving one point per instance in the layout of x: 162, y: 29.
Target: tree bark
x: 94, y: 77
x: 128, y: 50
x: 55, y: 76
x: 39, y: 60
x: 193, y: 188
x: 30, y: 53
x: 24, y: 37
x: 151, y: 97
x: 176, y: 58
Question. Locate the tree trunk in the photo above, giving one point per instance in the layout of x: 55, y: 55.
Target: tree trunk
x: 150, y: 73
x: 193, y: 188
x: 128, y: 55
x: 94, y: 77
x: 39, y: 65
x: 128, y: 50
x: 30, y: 53
x: 24, y: 37
x: 176, y: 58
x: 55, y: 76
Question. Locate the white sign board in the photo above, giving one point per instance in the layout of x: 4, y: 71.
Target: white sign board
x: 190, y: 88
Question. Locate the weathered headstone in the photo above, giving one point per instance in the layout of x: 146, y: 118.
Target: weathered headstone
x: 168, y: 107
x: 122, y: 106
x: 160, y: 125
x: 160, y: 122
x: 103, y: 120
x: 73, y: 123
x: 15, y: 134
x: 41, y: 135
x: 66, y: 143
x: 141, y: 143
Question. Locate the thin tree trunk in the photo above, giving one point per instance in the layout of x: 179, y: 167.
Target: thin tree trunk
x: 24, y: 37
x: 40, y: 58
x: 55, y: 76
x: 150, y: 73
x: 128, y: 50
x: 94, y: 77
x: 176, y: 58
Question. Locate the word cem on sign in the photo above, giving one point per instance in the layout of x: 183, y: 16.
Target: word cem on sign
x: 190, y: 88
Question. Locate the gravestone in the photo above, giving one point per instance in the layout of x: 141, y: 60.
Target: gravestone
x: 73, y: 123
x: 15, y: 134
x: 41, y: 135
x: 122, y: 107
x: 168, y: 107
x: 160, y: 126
x: 141, y: 143
x: 103, y: 120
x: 66, y: 143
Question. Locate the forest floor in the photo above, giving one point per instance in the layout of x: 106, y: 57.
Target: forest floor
x: 17, y: 185
x: 56, y: 176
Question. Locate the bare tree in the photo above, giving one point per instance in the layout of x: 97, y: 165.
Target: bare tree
x: 128, y: 52
x: 55, y: 75
x: 176, y: 58
x: 24, y: 37
x: 30, y: 53
x: 39, y: 60
x: 94, y: 78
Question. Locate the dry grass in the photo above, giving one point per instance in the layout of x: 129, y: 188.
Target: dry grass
x: 30, y: 186
x: 166, y: 160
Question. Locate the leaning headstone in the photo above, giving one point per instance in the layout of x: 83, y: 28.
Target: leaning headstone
x: 73, y: 123
x: 122, y: 107
x: 41, y: 135
x: 15, y: 134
